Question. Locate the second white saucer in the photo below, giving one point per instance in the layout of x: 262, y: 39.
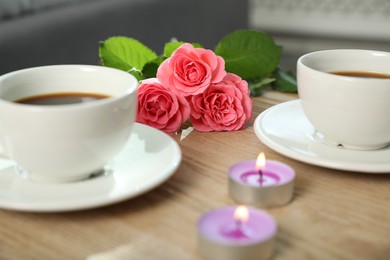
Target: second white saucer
x: 285, y: 129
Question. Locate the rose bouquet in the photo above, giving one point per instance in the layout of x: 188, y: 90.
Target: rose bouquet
x: 189, y: 82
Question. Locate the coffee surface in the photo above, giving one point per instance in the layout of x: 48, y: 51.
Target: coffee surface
x: 61, y: 98
x: 362, y: 74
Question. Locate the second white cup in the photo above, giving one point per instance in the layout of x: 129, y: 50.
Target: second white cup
x: 351, y: 109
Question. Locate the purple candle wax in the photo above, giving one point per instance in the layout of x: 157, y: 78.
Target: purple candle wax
x: 220, y: 226
x: 274, y: 173
x: 222, y: 237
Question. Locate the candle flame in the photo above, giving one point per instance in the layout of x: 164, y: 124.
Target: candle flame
x: 241, y: 214
x: 260, y: 162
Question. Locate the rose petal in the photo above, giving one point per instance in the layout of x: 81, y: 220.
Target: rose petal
x: 159, y: 107
x: 189, y: 71
x: 224, y: 106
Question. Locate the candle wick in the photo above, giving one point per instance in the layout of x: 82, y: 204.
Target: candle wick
x: 238, y: 225
x: 260, y: 176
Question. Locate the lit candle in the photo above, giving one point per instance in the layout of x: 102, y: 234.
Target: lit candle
x: 261, y: 182
x: 236, y: 233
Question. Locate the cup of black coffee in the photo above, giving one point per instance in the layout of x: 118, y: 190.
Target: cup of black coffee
x: 345, y: 96
x: 65, y: 122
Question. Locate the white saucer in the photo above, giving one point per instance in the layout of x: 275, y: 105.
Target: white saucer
x: 149, y: 158
x: 285, y: 129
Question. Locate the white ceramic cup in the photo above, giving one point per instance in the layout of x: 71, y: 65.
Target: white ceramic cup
x: 349, y: 111
x: 61, y: 143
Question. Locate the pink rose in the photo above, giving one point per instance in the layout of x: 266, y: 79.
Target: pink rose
x: 189, y: 71
x: 223, y: 106
x: 160, y: 107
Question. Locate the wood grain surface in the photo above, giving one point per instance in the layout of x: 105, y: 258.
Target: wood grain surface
x: 334, y: 214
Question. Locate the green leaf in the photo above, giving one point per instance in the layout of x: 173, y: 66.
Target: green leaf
x: 257, y: 86
x: 197, y: 45
x: 125, y: 53
x: 285, y: 81
x: 249, y: 54
x: 170, y: 47
x: 150, y: 68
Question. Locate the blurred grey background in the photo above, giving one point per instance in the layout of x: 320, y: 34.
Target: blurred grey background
x: 303, y: 26
x: 43, y: 32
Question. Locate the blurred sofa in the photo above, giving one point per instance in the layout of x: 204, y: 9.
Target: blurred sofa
x: 43, y: 32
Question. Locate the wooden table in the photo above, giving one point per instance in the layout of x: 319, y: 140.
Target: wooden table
x: 334, y: 214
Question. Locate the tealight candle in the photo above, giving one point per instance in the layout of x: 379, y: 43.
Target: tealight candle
x: 236, y: 233
x: 261, y: 182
